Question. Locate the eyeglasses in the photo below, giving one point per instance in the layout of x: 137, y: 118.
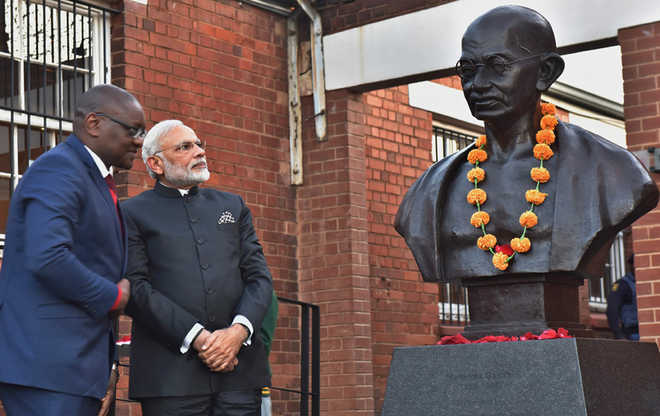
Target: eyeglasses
x: 185, y: 147
x: 134, y: 132
x: 466, y: 68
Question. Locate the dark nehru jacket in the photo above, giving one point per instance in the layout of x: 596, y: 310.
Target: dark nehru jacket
x: 193, y: 258
x: 599, y: 189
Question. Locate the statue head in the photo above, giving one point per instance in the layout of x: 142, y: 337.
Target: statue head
x: 508, y: 59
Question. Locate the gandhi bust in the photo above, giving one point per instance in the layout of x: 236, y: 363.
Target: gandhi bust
x: 596, y: 188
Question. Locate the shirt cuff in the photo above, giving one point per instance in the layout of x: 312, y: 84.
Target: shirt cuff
x: 190, y: 337
x: 241, y: 319
x: 117, y: 299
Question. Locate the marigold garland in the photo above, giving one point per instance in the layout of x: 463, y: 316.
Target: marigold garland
x: 480, y: 218
x: 528, y: 219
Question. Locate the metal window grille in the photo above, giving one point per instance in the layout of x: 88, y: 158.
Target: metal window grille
x: 50, y: 52
x: 614, y: 270
x: 446, y: 142
x: 453, y: 304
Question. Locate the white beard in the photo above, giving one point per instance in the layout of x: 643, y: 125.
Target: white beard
x: 181, y: 177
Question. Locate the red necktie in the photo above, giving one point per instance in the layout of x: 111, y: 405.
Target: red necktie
x: 113, y: 192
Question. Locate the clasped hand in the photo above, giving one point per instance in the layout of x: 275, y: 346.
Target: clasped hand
x: 219, y: 349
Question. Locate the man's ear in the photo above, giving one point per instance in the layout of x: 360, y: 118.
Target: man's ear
x: 92, y: 125
x: 551, y: 67
x: 156, y: 165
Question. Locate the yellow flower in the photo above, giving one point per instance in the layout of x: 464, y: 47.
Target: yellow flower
x: 528, y: 219
x: 481, y: 141
x: 535, y: 197
x: 486, y: 242
x: 477, y: 155
x: 476, y: 195
x: 540, y: 175
x: 548, y: 108
x: 546, y: 136
x: 548, y: 122
x: 542, y: 152
x: 500, y: 261
x: 476, y: 173
x: 480, y: 217
x: 521, y: 245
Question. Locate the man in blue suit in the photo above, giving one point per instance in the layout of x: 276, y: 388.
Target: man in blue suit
x: 65, y: 254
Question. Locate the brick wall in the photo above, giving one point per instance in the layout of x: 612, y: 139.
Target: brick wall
x: 640, y: 50
x: 333, y: 254
x: 221, y: 68
x: 404, y: 309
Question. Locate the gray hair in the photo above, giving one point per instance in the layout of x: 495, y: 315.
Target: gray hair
x: 151, y: 143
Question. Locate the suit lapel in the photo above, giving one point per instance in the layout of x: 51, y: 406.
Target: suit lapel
x: 102, y: 187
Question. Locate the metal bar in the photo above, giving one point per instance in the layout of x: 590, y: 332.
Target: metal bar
x: 105, y: 64
x: 304, y: 359
x: 30, y: 113
x: 12, y: 127
x: 59, y: 78
x: 28, y: 75
x: 316, y: 361
x: 68, y: 51
x: 75, y: 59
x: 90, y: 63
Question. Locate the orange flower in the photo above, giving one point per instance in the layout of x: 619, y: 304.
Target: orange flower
x: 476, y: 173
x: 500, y: 261
x: 540, y: 175
x: 542, y: 152
x: 535, y: 197
x: 486, y: 242
x: 528, y: 219
x: 548, y: 122
x: 481, y: 141
x: 476, y: 195
x: 480, y: 217
x: 548, y: 108
x: 546, y: 136
x: 477, y: 155
x: 521, y: 245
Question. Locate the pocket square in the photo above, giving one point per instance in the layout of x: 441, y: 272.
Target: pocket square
x: 226, y: 218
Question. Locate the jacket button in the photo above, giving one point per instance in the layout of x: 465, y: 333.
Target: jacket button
x: 212, y: 318
x: 200, y: 241
x: 204, y: 266
x: 210, y: 291
x: 194, y: 220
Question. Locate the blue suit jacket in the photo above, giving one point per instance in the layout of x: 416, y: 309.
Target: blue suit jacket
x: 63, y: 255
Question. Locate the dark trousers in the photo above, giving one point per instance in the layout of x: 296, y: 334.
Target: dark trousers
x: 229, y: 403
x: 29, y: 401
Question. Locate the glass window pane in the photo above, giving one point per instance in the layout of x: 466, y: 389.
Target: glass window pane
x: 7, y: 89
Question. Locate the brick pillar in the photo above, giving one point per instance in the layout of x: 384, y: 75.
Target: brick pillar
x: 640, y: 53
x: 333, y: 254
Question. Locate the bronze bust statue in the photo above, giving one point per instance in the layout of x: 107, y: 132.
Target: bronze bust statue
x: 596, y: 188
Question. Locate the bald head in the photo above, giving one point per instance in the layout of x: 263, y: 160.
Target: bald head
x: 104, y: 98
x: 523, y: 30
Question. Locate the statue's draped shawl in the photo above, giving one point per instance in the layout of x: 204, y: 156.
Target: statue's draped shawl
x: 601, y: 189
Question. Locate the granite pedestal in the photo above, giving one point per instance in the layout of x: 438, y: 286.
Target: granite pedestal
x: 567, y: 377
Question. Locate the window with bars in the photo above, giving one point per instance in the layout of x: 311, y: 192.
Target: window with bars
x: 615, y: 268
x: 453, y: 304
x: 50, y: 52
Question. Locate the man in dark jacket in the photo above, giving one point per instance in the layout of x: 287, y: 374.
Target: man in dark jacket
x: 201, y: 287
x: 622, y: 306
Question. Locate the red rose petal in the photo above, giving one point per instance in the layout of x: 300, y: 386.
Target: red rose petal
x: 504, y: 248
